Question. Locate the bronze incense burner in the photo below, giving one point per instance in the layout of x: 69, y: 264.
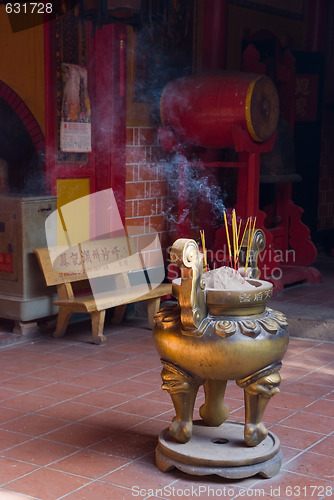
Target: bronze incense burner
x: 212, y: 336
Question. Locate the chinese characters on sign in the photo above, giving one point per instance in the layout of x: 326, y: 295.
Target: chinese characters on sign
x: 79, y: 259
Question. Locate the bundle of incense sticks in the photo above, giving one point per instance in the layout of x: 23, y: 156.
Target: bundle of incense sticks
x: 234, y: 249
x: 205, y: 259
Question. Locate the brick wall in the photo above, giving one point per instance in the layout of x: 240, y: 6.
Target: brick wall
x: 326, y: 179
x: 146, y: 187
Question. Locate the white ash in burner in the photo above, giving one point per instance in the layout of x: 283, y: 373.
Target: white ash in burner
x: 225, y: 278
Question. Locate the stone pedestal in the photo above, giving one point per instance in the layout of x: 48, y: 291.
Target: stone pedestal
x: 221, y: 451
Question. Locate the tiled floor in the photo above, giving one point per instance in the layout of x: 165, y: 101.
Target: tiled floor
x: 315, y: 296
x: 80, y: 421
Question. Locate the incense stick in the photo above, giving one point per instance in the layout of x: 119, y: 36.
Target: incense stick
x: 244, y: 233
x: 204, y: 249
x: 240, y: 221
x: 235, y: 238
x: 228, y: 238
x: 237, y: 244
x: 242, y: 239
x: 249, y: 241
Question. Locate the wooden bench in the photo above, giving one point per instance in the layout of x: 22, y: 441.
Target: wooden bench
x: 82, y: 275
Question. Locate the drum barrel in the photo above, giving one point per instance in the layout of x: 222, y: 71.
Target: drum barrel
x: 202, y: 110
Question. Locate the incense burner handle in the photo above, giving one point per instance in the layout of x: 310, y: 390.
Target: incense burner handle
x: 257, y: 245
x: 185, y: 254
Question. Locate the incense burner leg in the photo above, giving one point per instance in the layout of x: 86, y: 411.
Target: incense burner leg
x: 213, y: 412
x: 257, y: 396
x: 182, y: 389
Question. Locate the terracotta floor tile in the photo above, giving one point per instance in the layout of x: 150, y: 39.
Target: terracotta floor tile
x: 26, y: 383
x: 139, y: 475
x: 131, y: 444
x: 237, y: 415
x: 7, y: 414
x: 146, y: 361
x: 144, y: 407
x: 318, y: 353
x: 45, y: 345
x: 234, y: 391
x: 84, y: 364
x: 89, y: 463
x: 149, y: 458
x: 321, y: 378
x: 310, y: 422
x: 9, y: 439
x: 291, y: 401
x: 119, y: 370
x: 62, y: 391
x: 322, y: 407
x: 298, y: 344
x: 313, y: 464
x: 69, y: 410
x: 135, y: 348
x: 12, y: 469
x: 321, y: 346
x: 150, y: 427
x: 29, y: 402
x: 40, y: 451
x: 77, y: 434
x: 7, y: 393
x: 34, y: 425
x: 159, y: 394
x: 325, y: 447
x: 93, y: 381
x: 14, y: 353
x: 306, y: 389
x: 151, y: 377
x: 22, y: 366
x: 73, y: 351
x: 290, y: 485
x: 98, y: 490
x: 273, y: 415
x: 50, y: 358
x: 290, y: 372
x: 58, y: 373
x: 130, y: 388
x: 299, y: 361
x: 288, y: 453
x: 116, y: 421
x: 102, y: 398
x: 295, y: 438
x: 195, y: 489
x: 112, y: 356
x: 215, y: 487
x: 46, y: 484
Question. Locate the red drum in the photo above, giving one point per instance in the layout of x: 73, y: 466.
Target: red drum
x: 203, y: 109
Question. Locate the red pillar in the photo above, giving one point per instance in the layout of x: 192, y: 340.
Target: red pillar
x: 215, y: 14
x: 214, y: 34
x: 107, y: 72
x: 316, y: 26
